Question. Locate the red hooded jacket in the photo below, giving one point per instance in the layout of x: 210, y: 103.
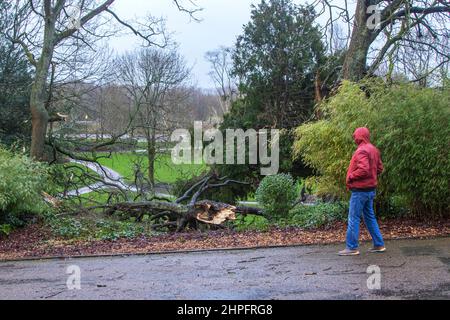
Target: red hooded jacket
x: 366, y: 163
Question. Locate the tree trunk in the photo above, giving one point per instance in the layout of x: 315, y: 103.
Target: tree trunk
x: 39, y: 118
x: 39, y: 113
x: 38, y: 97
x: 207, y: 212
x: 151, y: 149
x: 355, y: 63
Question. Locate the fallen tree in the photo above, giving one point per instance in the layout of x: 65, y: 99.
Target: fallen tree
x: 187, y: 211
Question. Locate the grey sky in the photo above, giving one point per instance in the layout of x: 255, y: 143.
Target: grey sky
x: 222, y: 21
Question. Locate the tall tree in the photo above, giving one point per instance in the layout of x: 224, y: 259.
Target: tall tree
x: 15, y: 83
x: 151, y: 76
x: 41, y: 27
x: 378, y: 26
x: 221, y: 75
x: 275, y: 61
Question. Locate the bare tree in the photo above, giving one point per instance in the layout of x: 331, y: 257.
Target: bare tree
x: 221, y: 74
x: 49, y: 31
x: 418, y: 62
x: 377, y: 26
x: 203, y: 105
x: 150, y: 76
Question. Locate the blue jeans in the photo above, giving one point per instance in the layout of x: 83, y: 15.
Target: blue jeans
x: 362, y: 202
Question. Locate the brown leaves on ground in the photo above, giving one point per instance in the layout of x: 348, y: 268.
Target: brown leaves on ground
x: 36, y: 241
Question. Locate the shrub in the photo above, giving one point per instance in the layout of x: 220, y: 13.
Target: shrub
x: 114, y: 230
x: 5, y: 229
x: 251, y: 223
x: 410, y: 125
x: 21, y: 183
x: 277, y: 195
x: 319, y: 215
x: 67, y: 227
x: 87, y: 228
x: 302, y: 216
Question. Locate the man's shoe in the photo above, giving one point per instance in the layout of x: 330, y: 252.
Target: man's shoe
x: 377, y: 249
x: 348, y: 253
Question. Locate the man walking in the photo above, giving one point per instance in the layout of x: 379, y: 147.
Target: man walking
x: 362, y: 175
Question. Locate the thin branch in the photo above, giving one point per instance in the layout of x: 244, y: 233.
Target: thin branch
x: 191, y: 12
x: 138, y: 33
x: 88, y: 17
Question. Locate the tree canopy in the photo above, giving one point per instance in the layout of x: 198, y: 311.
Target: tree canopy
x: 275, y: 60
x: 15, y: 82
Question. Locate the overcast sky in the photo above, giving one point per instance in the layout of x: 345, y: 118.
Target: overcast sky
x: 222, y: 21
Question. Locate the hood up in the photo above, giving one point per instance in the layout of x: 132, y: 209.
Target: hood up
x: 361, y: 135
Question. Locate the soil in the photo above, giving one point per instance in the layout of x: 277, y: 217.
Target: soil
x: 37, y: 241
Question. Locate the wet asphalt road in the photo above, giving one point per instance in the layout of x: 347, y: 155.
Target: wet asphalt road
x: 411, y: 269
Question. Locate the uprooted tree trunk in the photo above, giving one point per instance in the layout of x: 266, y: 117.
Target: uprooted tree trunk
x: 179, y: 215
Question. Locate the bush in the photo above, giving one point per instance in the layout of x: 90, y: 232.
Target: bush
x: 301, y: 216
x: 251, y: 223
x: 66, y: 227
x: 277, y: 195
x: 114, y: 230
x: 87, y: 228
x: 319, y: 215
x: 410, y: 125
x: 21, y: 183
x: 5, y: 229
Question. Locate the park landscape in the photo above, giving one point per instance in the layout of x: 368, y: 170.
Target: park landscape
x: 86, y: 132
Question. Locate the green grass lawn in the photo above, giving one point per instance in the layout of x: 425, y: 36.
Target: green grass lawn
x: 166, y: 171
